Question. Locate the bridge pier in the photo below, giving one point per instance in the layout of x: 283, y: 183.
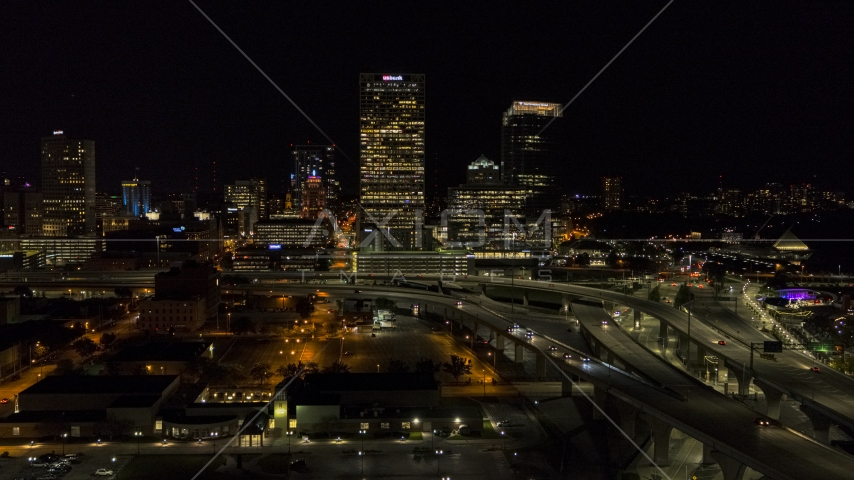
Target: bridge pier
x: 628, y: 418
x: 820, y: 424
x: 731, y: 468
x: 483, y: 289
x: 773, y: 397
x: 499, y: 341
x: 541, y: 366
x: 743, y: 380
x: 660, y: 439
x: 610, y: 357
x: 519, y: 353
x: 473, y: 334
x: 599, y: 396
x: 524, y: 298
x: 708, y: 459
x: 662, y: 331
x: 564, y: 302
x: 637, y: 314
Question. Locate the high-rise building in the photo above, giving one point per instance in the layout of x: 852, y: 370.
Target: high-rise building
x: 68, y: 185
x: 136, y: 195
x: 250, y: 197
x: 23, y: 209
x: 391, y: 124
x: 314, y: 161
x: 313, y: 197
x: 483, y: 171
x: 612, y: 193
x: 529, y: 154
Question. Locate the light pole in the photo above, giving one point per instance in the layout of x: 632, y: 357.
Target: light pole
x: 64, y: 437
x: 228, y: 323
x: 115, y: 468
x: 503, y: 440
x: 137, y: 434
x: 484, y: 382
x: 362, y: 452
x: 438, y: 460
x: 214, y: 435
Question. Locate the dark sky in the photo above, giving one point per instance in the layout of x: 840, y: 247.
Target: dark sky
x: 753, y: 91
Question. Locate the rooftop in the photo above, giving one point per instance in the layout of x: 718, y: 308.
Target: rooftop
x: 85, y: 384
x: 162, y: 352
x: 343, y: 382
x: 135, y: 401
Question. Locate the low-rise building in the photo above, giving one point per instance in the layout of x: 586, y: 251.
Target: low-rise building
x: 166, y: 315
x: 161, y: 358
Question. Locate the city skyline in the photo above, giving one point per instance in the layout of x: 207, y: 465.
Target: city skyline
x: 611, y: 128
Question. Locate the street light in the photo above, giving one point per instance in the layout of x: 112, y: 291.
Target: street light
x: 503, y: 440
x: 438, y: 458
x: 362, y: 452
x: 64, y: 436
x: 137, y: 434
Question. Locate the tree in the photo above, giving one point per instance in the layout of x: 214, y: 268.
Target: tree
x: 242, y: 325
x: 23, y: 291
x: 337, y: 367
x: 395, y: 365
x: 123, y: 292
x: 260, y: 372
x: 85, y: 347
x: 383, y: 303
x: 66, y: 367
x: 107, y: 338
x: 654, y: 294
x: 683, y: 296
x: 426, y: 365
x: 458, y: 367
x: 304, y: 308
x: 112, y: 368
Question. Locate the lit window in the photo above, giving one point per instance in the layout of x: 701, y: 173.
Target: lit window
x: 384, y: 425
x: 158, y: 425
x: 364, y: 426
x: 405, y: 425
x: 292, y: 423
x: 16, y: 430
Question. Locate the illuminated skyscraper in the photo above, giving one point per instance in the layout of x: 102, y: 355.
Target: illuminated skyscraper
x: 530, y: 158
x: 68, y: 185
x: 136, y: 195
x: 391, y: 143
x: 612, y: 193
x: 250, y: 197
x: 314, y: 161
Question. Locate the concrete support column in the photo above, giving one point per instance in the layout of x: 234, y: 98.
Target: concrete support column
x: 660, y: 438
x: 743, y: 380
x: 483, y: 289
x: 519, y: 354
x: 637, y: 315
x: 701, y: 353
x: 628, y: 418
x: 609, y: 357
x: 708, y: 459
x: 499, y: 342
x: 597, y: 351
x: 662, y: 330
x: 524, y: 298
x: 820, y: 424
x: 773, y: 398
x: 599, y: 396
x: 541, y: 366
x: 730, y: 468
x: 564, y: 303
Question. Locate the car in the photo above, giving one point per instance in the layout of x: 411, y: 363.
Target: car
x: 761, y: 421
x: 503, y: 423
x: 73, y: 456
x: 373, y: 335
x: 552, y: 348
x: 668, y: 300
x: 347, y: 354
x: 700, y: 286
x: 816, y: 369
x: 509, y: 329
x: 48, y: 457
x: 4, y: 400
x: 569, y: 329
x: 690, y: 284
x: 567, y: 356
x: 585, y: 359
x: 103, y: 472
x: 604, y: 322
x: 721, y: 342
x: 297, y: 464
x: 673, y: 284
x: 435, y: 329
x: 459, y: 303
x: 39, y: 464
x: 331, y: 310
x: 357, y: 291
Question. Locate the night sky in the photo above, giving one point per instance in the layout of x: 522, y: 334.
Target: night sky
x: 758, y: 92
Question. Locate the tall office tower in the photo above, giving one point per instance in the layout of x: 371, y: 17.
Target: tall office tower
x: 250, y: 197
x: 483, y: 171
x: 530, y: 158
x: 68, y: 185
x: 136, y: 195
x: 313, y: 198
x: 23, y: 209
x: 612, y: 193
x: 391, y: 144
x: 314, y: 161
